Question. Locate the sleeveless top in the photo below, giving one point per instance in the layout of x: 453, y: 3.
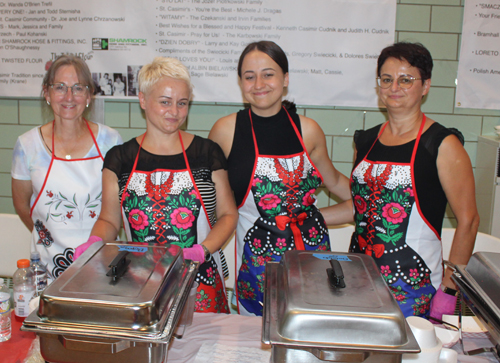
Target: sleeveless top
x: 431, y: 194
x: 275, y: 136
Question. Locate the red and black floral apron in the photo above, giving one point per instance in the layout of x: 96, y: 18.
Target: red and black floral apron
x: 66, y: 208
x: 278, y: 214
x: 165, y: 206
x: 391, y: 228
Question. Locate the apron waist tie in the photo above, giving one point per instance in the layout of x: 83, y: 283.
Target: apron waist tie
x: 378, y: 249
x: 282, y: 221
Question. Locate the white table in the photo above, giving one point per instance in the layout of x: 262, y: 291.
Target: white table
x: 208, y: 328
x: 244, y: 331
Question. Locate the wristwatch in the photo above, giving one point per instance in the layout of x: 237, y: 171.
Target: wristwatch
x: 449, y: 291
x: 207, y: 253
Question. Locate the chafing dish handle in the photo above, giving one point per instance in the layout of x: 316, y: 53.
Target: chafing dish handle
x: 118, y: 265
x: 335, y: 274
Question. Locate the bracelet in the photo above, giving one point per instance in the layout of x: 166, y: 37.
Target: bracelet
x: 207, y: 252
x: 449, y: 290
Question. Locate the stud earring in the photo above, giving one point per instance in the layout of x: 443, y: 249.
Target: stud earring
x: 87, y: 105
x: 48, y: 103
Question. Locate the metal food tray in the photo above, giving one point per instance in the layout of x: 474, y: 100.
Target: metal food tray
x: 303, y: 312
x: 479, y: 284
x: 145, y: 302
x: 34, y: 324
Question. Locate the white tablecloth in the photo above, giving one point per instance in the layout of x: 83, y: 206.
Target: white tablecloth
x: 238, y: 331
x: 211, y: 329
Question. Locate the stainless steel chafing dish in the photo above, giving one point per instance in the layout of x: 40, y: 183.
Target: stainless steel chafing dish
x: 479, y: 285
x: 323, y: 306
x: 119, y: 302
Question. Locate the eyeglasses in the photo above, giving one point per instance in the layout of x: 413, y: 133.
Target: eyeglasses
x: 404, y: 82
x: 78, y: 90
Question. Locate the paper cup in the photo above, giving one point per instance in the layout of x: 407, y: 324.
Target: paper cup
x: 430, y: 345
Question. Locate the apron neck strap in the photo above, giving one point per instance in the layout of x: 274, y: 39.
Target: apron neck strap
x: 91, y: 134
x: 291, y: 121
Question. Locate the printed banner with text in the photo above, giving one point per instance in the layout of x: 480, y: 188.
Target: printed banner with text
x: 332, y: 45
x: 479, y: 65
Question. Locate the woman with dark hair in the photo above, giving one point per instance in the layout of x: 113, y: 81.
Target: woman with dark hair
x: 276, y: 161
x: 56, y: 168
x: 405, y: 172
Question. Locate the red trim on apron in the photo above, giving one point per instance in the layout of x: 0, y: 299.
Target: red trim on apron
x: 53, y: 157
x: 188, y: 168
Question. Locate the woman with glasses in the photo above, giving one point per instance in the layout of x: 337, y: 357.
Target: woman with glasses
x: 406, y: 171
x: 56, y: 168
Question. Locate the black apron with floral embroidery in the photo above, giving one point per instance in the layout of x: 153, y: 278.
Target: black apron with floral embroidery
x: 391, y: 229
x: 165, y: 206
x: 278, y: 215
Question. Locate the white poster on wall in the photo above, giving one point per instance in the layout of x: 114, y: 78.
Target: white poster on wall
x: 479, y: 64
x: 332, y: 46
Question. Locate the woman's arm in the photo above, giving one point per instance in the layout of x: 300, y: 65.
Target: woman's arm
x: 222, y: 133
x: 336, y: 182
x: 456, y: 177
x: 227, y: 213
x: 339, y: 213
x: 107, y: 225
x: 21, y: 196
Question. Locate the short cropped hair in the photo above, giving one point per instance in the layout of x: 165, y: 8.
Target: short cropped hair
x: 161, y: 67
x: 81, y: 68
x: 414, y: 53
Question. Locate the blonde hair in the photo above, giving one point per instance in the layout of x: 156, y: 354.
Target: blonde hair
x: 163, y: 67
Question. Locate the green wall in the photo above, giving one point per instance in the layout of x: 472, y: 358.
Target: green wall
x: 435, y: 23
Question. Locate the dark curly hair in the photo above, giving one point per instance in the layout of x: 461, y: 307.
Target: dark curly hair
x: 414, y: 53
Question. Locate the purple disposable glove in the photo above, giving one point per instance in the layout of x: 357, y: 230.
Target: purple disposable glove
x: 195, y: 253
x: 83, y: 247
x: 442, y: 304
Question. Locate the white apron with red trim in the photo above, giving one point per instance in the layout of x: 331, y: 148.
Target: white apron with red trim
x: 66, y: 208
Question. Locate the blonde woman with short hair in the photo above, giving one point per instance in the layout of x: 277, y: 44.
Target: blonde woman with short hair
x: 170, y: 186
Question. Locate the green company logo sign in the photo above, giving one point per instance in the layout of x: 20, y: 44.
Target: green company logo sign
x: 100, y: 43
x: 127, y: 41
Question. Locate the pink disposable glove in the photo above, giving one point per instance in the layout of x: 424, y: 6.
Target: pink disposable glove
x: 83, y: 247
x: 442, y: 304
x: 195, y: 253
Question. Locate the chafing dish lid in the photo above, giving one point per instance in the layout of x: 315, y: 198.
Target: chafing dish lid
x: 302, y: 307
x: 86, y: 294
x: 484, y: 268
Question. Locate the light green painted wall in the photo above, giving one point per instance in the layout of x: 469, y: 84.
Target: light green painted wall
x: 435, y: 23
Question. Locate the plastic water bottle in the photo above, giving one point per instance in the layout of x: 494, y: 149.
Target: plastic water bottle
x: 24, y: 289
x: 5, y: 312
x: 40, y: 273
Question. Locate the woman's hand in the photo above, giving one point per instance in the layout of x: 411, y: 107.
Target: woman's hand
x: 84, y: 246
x: 195, y: 253
x: 442, y: 304
x: 21, y: 196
